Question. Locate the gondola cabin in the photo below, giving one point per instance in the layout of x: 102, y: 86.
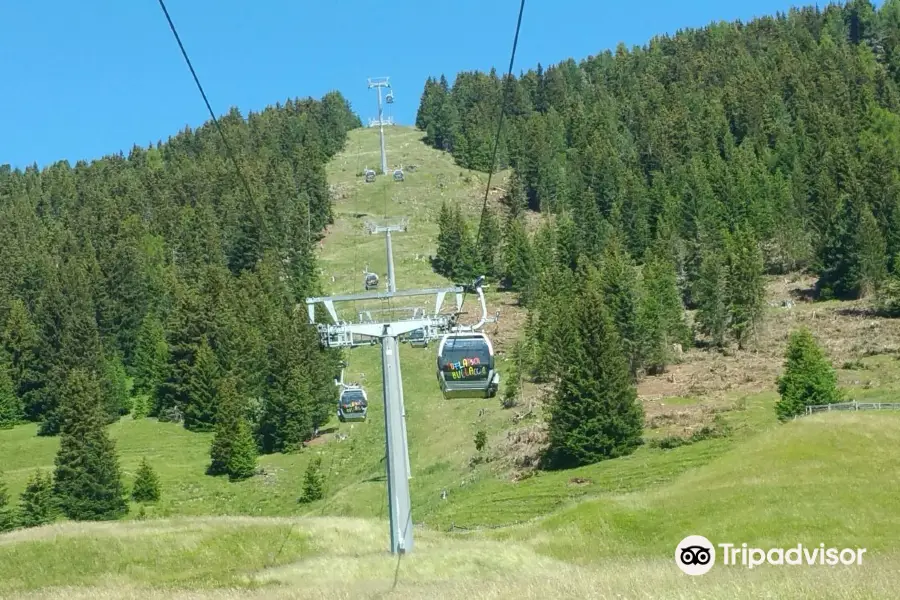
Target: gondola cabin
x: 398, y: 175
x: 370, y: 175
x: 353, y: 405
x: 465, y: 366
x: 418, y: 339
x: 371, y: 281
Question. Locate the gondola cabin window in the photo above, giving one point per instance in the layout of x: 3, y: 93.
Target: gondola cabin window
x: 466, y: 360
x: 353, y: 401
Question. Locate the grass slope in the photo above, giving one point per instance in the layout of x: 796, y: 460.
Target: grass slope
x: 606, y: 530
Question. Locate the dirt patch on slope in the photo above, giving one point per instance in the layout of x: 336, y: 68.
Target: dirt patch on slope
x: 847, y: 331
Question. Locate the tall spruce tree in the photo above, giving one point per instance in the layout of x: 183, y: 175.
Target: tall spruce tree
x: 297, y: 383
x: 187, y: 326
x: 594, y: 413
x: 746, y: 285
x: 516, y: 199
x: 872, y: 258
x: 808, y: 379
x: 229, y: 414
x: 20, y: 339
x: 622, y: 295
x: 203, y: 382
x: 457, y: 257
x: 151, y: 354
x: 518, y: 269
x: 7, y: 515
x: 488, y: 245
x: 449, y: 242
x: 854, y: 254
x: 87, y: 481
x: 11, y: 413
x: 74, y: 338
x: 711, y: 296
x: 661, y: 313
x: 115, y: 388
x: 242, y: 462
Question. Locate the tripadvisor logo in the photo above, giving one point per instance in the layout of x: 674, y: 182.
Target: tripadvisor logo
x: 696, y: 555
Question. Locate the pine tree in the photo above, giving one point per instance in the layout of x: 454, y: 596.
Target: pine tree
x: 247, y: 247
x: 711, y: 297
x: 115, y: 388
x: 456, y: 253
x: 792, y: 242
x: 554, y: 326
x: 569, y: 247
x: 146, y: 484
x: 287, y: 419
x: 808, y: 379
x: 661, y: 314
x: 746, y: 285
x: 854, y: 254
x: 46, y: 375
x: 88, y: 481
x: 228, y: 419
x: 72, y: 338
x: 622, y: 296
x: 872, y: 258
x: 513, y: 376
x: 7, y: 516
x: 297, y: 382
x: 124, y: 290
x: 516, y: 200
x: 150, y: 356
x: 141, y: 407
x: 10, y: 405
x: 313, y: 482
x: 20, y: 339
x: 467, y: 265
x: 488, y: 245
x: 449, y: 242
x: 37, y: 504
x: 518, y: 269
x: 428, y: 104
x: 242, y: 462
x: 187, y: 326
x: 594, y: 413
x: 199, y: 413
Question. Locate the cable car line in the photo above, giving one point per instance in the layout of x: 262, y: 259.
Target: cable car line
x: 206, y: 100
x: 470, y: 374
x: 469, y: 371
x: 503, y: 88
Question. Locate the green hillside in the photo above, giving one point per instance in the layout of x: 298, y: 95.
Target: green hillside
x: 687, y: 244
x: 604, y: 530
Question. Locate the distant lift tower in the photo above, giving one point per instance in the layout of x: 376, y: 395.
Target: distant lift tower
x: 378, y: 83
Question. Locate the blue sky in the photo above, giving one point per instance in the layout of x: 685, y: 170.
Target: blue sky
x: 85, y: 79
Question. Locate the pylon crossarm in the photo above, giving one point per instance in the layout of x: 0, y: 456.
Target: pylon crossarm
x: 484, y: 315
x: 376, y: 330
x: 383, y: 295
x: 330, y: 300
